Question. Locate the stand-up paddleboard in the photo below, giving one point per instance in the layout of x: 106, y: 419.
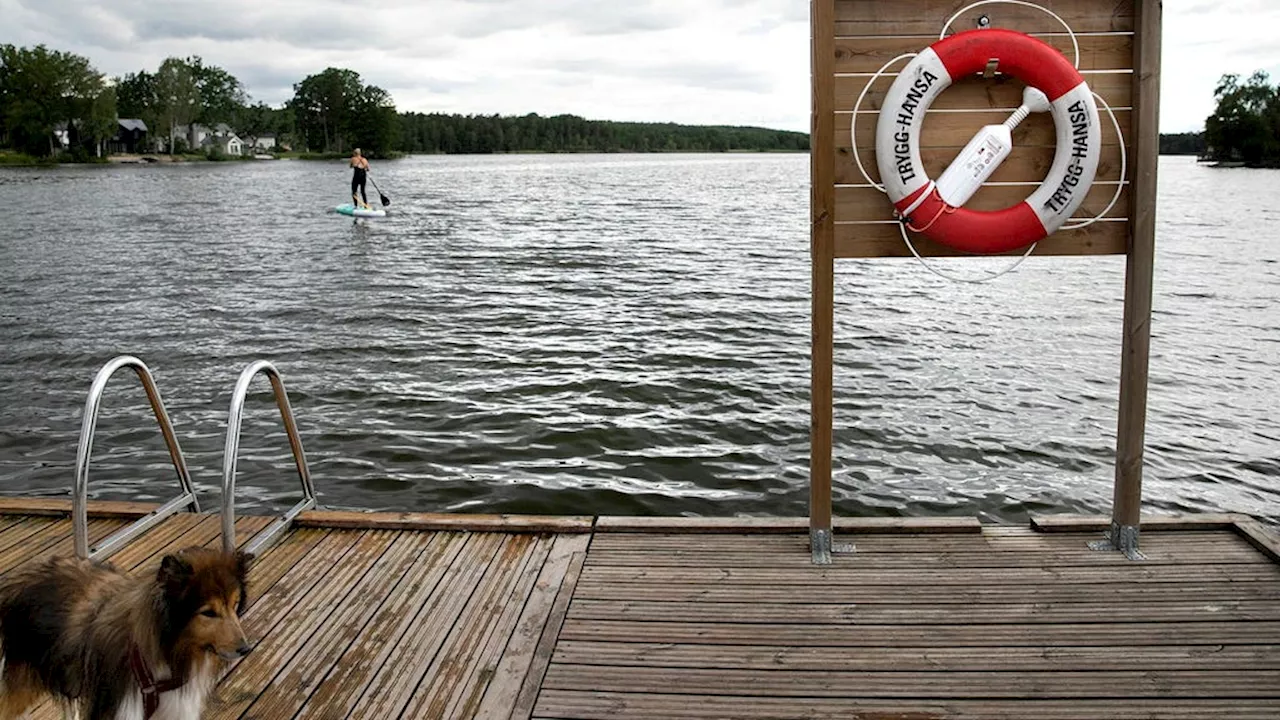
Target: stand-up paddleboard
x: 359, y: 212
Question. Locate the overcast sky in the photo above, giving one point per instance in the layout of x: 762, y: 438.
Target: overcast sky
x: 741, y: 62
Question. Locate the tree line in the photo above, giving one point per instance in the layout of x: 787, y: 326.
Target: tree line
x: 49, y: 98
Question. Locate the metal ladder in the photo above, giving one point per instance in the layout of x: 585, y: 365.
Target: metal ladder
x: 80, y: 500
x: 187, y: 500
x: 282, y: 523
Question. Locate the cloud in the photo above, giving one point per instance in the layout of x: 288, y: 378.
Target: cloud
x: 721, y: 61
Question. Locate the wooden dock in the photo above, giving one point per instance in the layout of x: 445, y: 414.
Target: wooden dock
x: 361, y: 615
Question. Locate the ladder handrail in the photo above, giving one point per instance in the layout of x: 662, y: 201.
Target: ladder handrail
x: 233, y: 447
x: 80, y: 494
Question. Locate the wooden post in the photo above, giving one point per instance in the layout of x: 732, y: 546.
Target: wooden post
x: 1131, y: 425
x: 822, y: 250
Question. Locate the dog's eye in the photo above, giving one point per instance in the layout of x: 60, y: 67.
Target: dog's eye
x: 209, y: 613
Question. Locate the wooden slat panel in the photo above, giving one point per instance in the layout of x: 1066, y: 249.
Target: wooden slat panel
x: 926, y: 17
x: 294, y: 682
x: 1150, y: 523
x: 989, y: 540
x: 1048, y: 635
x: 521, y: 650
x: 939, y: 659
x: 61, y: 507
x: 443, y: 521
x: 760, y: 525
x: 20, y: 531
x: 867, y: 204
x: 281, y: 557
x: 885, y: 240
x: 333, y: 560
x: 975, y: 93
x: 836, y: 575
x: 435, y: 693
x: 1260, y: 537
x: 56, y: 539
x: 1098, y: 51
x: 1119, y: 594
x: 1082, y: 557
x: 749, y: 610
x: 1118, y: 683
x: 550, y: 638
x: 575, y: 705
x: 1028, y: 165
x: 405, y: 666
x: 337, y: 696
x: 468, y: 691
x: 954, y: 129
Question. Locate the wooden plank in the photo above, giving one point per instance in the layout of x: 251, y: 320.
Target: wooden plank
x: 867, y: 204
x: 337, y: 696
x: 1150, y: 523
x: 925, y: 659
x: 1135, y: 349
x: 1259, y: 537
x: 434, y: 693
x: 1098, y: 51
x: 764, y: 525
x: 855, y: 18
x: 959, y: 684
x: 292, y: 683
x: 837, y: 575
x: 1080, y: 557
x: 405, y: 666
x: 993, y: 636
x: 885, y: 240
x: 55, y: 539
x: 1002, y: 92
x: 267, y: 569
x: 443, y: 522
x: 747, y: 610
x: 468, y: 691
x: 61, y: 507
x: 1026, y: 167
x: 1118, y: 594
x: 576, y: 705
x: 273, y: 620
x: 518, y: 657
x: 989, y: 540
x: 955, y: 128
x: 22, y: 530
x: 530, y: 692
x: 822, y: 257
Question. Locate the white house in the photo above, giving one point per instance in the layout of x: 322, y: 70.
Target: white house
x: 220, y: 136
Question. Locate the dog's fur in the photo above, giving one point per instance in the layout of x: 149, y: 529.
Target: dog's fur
x: 67, y: 626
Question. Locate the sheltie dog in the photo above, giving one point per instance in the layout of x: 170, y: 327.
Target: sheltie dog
x: 109, y: 646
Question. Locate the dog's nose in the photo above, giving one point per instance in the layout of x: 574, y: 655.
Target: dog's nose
x: 244, y: 648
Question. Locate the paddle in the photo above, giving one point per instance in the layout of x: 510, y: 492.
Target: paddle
x: 386, y: 201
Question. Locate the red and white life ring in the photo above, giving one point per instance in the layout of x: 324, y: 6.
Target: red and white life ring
x: 1075, y: 162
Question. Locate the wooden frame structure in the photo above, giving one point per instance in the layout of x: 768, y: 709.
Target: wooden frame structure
x: 1119, y: 44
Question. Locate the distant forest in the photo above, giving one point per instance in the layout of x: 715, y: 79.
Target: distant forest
x: 436, y: 133
x: 1182, y: 144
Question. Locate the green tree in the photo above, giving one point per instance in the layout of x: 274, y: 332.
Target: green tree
x: 1245, y: 126
x: 335, y: 111
x: 137, y: 96
x: 178, y: 97
x: 43, y: 90
x: 221, y: 95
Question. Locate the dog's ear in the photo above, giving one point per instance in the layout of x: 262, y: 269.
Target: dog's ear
x: 174, y: 573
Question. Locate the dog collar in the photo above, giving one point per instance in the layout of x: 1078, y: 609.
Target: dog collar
x: 147, y: 683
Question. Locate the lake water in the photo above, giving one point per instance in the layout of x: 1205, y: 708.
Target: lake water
x: 615, y: 334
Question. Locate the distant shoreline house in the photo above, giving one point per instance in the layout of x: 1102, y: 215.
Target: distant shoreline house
x: 130, y: 137
x: 220, y: 136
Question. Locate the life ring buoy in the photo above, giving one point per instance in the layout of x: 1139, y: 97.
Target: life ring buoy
x: 1075, y: 162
